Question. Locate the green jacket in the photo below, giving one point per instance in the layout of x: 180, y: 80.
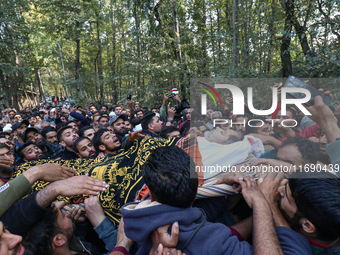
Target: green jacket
x: 13, y: 191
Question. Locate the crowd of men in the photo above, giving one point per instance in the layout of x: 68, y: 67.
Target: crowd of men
x: 266, y: 212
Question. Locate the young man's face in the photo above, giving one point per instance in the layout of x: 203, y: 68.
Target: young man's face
x: 93, y: 109
x: 103, y: 109
x: 31, y: 152
x: 110, y: 142
x: 290, y: 154
x: 265, y: 129
x: 287, y: 203
x: 86, y: 149
x: 10, y: 244
x: 128, y: 125
x: 137, y: 107
x: 11, y: 115
x: 38, y: 119
x: 288, y: 115
x: 68, y: 137
x: 118, y: 110
x: 6, y: 152
x: 8, y: 142
x: 22, y: 128
x: 157, y: 124
x: 18, y: 116
x: 74, y: 126
x: 34, y: 136
x: 128, y: 112
x: 51, y: 137
x: 14, y: 120
x: 119, y: 125
x: 241, y: 127
x: 140, y: 115
x: 89, y: 133
x: 32, y: 121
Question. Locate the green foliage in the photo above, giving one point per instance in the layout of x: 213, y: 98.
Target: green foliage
x: 136, y: 43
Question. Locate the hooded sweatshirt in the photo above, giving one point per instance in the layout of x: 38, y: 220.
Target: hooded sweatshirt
x: 140, y: 219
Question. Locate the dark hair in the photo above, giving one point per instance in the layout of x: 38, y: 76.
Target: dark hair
x: 317, y: 197
x: 171, y: 177
x: 4, y: 135
x: 166, y: 130
x: 185, y: 128
x: 20, y: 149
x: 61, y: 131
x: 290, y: 110
x: 246, y: 115
x: 47, y: 130
x: 135, y: 121
x: 139, y: 110
x: 147, y: 119
x: 74, y: 145
x: 42, y: 233
x: 196, y: 115
x: 97, y: 141
x: 105, y: 107
x: 83, y: 129
x: 309, y: 150
x: 101, y: 117
x: 3, y: 145
x: 254, y: 122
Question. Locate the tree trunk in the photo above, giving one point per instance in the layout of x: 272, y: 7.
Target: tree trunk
x: 135, y: 13
x: 178, y: 46
x: 286, y: 61
x: 245, y: 26
x: 235, y: 38
x: 113, y: 65
x: 100, y: 66
x: 5, y: 93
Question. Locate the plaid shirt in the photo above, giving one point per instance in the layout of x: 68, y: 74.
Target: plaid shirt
x: 54, y: 151
x: 190, y: 146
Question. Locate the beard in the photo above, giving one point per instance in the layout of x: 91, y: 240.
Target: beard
x: 7, y: 170
x: 120, y: 133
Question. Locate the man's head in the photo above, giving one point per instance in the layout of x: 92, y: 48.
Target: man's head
x: 298, y: 151
x: 103, y: 122
x: 152, y: 123
x: 118, y: 109
x: 11, y: 114
x: 215, y: 115
x: 170, y: 175
x: 95, y: 120
x: 188, y: 114
x: 84, y: 148
x: 170, y: 131
x: 259, y: 126
x: 44, y: 124
x: 18, y: 116
x: 139, y: 113
x: 5, y: 151
x: 32, y: 135
x: 66, y: 137
x: 50, y: 135
x: 29, y: 151
x: 290, y: 114
x: 242, y: 120
x: 104, y: 108
x: 137, y: 107
x: 10, y: 244
x: 310, y: 201
x: 118, y: 124
x: 32, y: 119
x: 208, y: 115
x: 105, y: 141
x: 53, y: 233
x: 73, y: 125
x: 14, y: 121
x: 87, y: 131
x: 93, y: 109
x: 223, y: 136
x: 20, y: 127
x: 28, y: 111
x: 154, y: 109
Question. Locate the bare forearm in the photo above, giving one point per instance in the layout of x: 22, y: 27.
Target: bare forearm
x: 265, y: 238
x: 275, y: 143
x: 33, y: 174
x: 244, y: 227
x: 279, y: 220
x: 46, y: 196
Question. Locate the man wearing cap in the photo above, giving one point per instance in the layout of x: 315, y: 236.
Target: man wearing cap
x: 152, y: 123
x: 20, y: 128
x: 50, y: 151
x: 118, y: 124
